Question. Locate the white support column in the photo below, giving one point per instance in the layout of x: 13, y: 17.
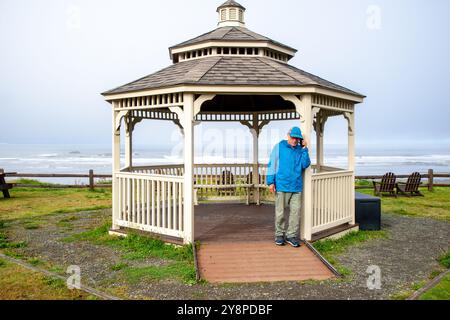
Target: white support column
x: 255, y: 134
x: 350, y: 116
x: 320, y: 129
x: 116, y: 166
x: 255, y: 129
x: 188, y: 125
x: 305, y: 109
x: 129, y: 142
x: 186, y: 116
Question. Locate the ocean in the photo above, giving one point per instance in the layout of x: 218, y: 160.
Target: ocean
x: 370, y: 160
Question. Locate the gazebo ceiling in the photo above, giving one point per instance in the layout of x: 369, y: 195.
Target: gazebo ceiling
x: 247, y: 104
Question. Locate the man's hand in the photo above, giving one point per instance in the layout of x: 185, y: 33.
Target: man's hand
x: 304, y: 143
x: 272, y: 188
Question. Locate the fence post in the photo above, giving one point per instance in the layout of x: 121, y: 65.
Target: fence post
x: 430, y: 180
x: 91, y: 180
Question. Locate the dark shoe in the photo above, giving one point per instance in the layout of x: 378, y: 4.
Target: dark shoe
x: 293, y: 242
x: 279, y: 241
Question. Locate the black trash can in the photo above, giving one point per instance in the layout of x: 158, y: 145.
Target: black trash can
x: 368, y: 212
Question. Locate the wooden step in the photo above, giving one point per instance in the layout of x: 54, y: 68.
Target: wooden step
x: 259, y: 262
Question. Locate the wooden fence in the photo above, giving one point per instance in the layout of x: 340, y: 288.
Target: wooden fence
x: 90, y: 176
x: 430, y: 176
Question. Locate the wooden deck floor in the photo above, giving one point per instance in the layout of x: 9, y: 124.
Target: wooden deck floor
x: 238, y: 246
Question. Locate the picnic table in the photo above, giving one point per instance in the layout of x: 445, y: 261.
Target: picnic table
x: 4, y: 187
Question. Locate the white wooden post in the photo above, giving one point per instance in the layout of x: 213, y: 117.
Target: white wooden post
x: 116, y: 165
x: 129, y: 143
x: 320, y: 128
x: 350, y: 116
x: 186, y: 118
x: 255, y: 129
x: 188, y: 125
x: 255, y: 178
x: 304, y: 108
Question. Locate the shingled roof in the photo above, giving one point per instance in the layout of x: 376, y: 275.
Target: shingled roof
x: 230, y: 3
x: 230, y: 34
x: 229, y: 70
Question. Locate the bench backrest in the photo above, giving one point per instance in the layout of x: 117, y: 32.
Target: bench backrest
x: 226, y: 178
x: 249, y: 178
x: 413, y: 182
x: 388, y: 182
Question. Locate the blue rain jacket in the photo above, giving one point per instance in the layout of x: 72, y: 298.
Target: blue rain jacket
x: 286, y: 167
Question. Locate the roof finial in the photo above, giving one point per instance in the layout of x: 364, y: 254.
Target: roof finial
x: 231, y: 14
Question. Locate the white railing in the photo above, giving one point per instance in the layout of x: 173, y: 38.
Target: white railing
x: 222, y: 181
x: 212, y: 181
x: 323, y: 169
x: 152, y: 203
x: 333, y: 199
x: 151, y: 198
x: 166, y: 170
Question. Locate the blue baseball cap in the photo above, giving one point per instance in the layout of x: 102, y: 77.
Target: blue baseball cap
x: 296, y: 133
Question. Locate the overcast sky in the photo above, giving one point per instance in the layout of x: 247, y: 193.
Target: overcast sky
x: 57, y: 56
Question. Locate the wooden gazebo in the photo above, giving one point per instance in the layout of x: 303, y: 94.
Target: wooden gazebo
x: 228, y: 74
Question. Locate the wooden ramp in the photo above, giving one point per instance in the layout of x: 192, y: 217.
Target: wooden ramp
x: 237, y: 246
x: 259, y: 262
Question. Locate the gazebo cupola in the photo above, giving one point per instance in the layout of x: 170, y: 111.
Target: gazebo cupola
x: 231, y: 39
x: 231, y: 14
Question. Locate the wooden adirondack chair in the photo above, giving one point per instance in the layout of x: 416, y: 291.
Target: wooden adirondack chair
x: 387, y: 185
x: 411, y: 187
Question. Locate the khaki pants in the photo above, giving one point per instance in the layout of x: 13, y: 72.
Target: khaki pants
x: 293, y: 201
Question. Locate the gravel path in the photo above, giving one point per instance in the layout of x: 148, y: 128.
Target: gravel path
x: 407, y: 256
x: 47, y: 244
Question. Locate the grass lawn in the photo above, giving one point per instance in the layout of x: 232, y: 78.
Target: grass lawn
x: 19, y: 283
x: 29, y: 204
x: 434, y: 205
x: 35, y: 202
x: 32, y: 204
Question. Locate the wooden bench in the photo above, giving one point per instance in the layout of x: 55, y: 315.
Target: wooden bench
x: 4, y: 187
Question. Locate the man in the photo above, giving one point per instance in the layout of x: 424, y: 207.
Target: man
x: 288, y: 160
